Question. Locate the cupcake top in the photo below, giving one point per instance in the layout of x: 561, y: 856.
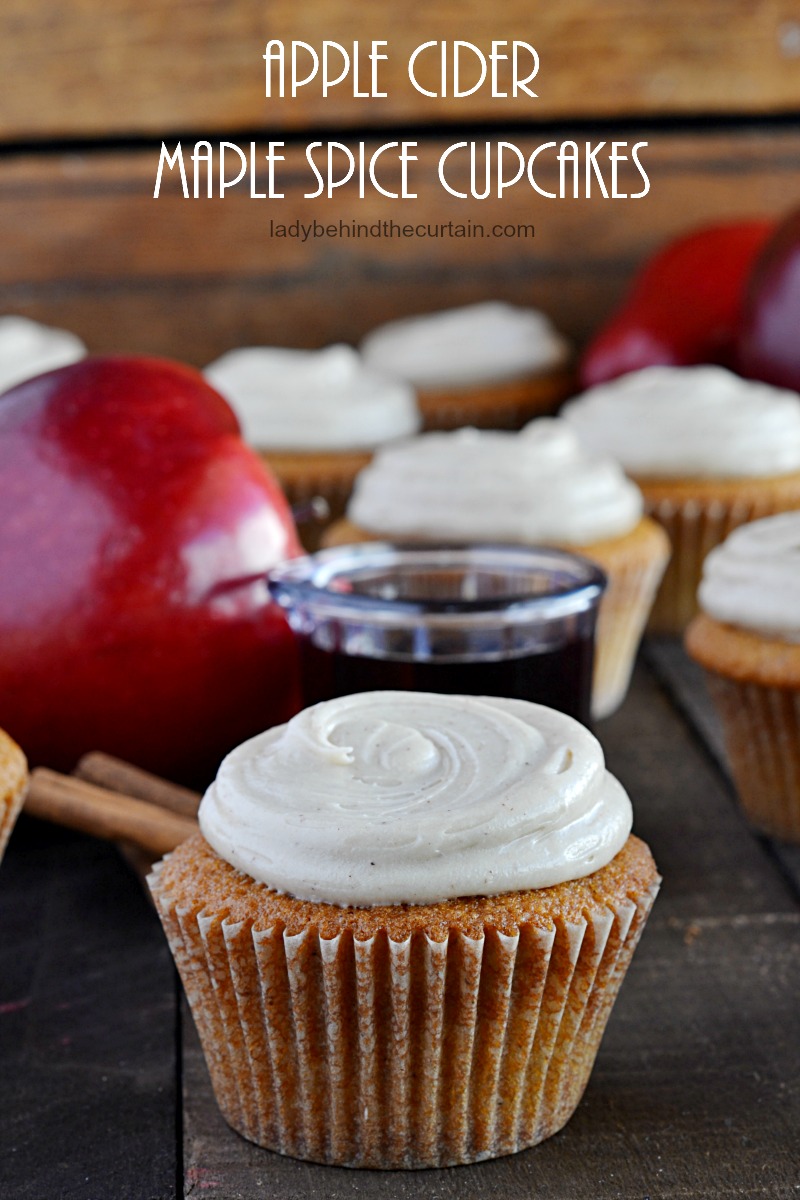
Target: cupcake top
x: 752, y: 580
x: 28, y: 348
x: 667, y: 422
x: 463, y: 347
x: 413, y: 798
x: 309, y: 400
x: 537, y: 486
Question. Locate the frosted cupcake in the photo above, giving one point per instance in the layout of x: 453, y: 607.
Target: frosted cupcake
x: 709, y: 451
x: 13, y: 784
x: 537, y: 487
x: 400, y: 952
x: 747, y: 637
x: 28, y: 348
x: 490, y: 365
x: 315, y: 415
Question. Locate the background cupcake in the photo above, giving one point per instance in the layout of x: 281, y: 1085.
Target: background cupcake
x: 491, y: 365
x: 28, y: 348
x: 314, y: 415
x: 398, y: 953
x: 747, y: 638
x: 13, y: 782
x: 533, y: 487
x: 709, y: 451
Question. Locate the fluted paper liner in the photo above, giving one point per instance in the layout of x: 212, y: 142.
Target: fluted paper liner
x: 13, y: 786
x: 761, y: 725
x: 696, y: 521
x: 634, y: 566
x: 306, y: 477
x: 400, y: 1053
x: 507, y: 404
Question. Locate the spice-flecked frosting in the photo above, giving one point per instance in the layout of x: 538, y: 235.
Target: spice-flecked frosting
x: 412, y: 797
x: 677, y: 422
x: 536, y: 486
x: 28, y: 348
x: 474, y: 345
x: 311, y: 400
x: 752, y: 580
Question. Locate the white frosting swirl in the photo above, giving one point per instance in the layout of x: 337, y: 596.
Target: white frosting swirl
x: 463, y: 347
x: 537, y: 486
x: 28, y: 348
x: 753, y: 579
x: 411, y: 797
x: 690, y: 421
x: 312, y: 399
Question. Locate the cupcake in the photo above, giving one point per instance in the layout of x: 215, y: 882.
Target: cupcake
x: 28, y: 348
x: 315, y: 416
x: 13, y: 783
x: 747, y: 637
x: 536, y: 487
x: 404, y: 925
x: 709, y: 451
x: 490, y: 365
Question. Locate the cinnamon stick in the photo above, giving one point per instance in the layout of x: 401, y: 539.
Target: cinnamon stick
x: 105, y: 814
x: 119, y: 776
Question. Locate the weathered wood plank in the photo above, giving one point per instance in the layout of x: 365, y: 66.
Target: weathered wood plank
x: 684, y: 683
x: 138, y: 66
x: 84, y: 244
x: 87, y: 1026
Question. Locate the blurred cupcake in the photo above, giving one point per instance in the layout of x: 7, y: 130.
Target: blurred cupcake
x: 747, y: 637
x: 13, y: 784
x: 490, y: 365
x: 28, y: 348
x: 401, y: 951
x: 314, y: 415
x: 709, y: 450
x: 537, y: 487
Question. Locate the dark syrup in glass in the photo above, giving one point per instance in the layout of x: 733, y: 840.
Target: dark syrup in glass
x: 560, y: 678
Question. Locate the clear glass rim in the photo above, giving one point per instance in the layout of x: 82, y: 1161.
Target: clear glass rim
x: 306, y: 581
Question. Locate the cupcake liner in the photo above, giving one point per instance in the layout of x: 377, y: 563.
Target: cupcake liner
x: 761, y: 725
x: 412, y: 1053
x: 13, y: 786
x: 303, y: 477
x: 634, y: 575
x: 695, y: 524
x: 505, y: 405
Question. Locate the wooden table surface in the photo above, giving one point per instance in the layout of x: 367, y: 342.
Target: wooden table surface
x: 696, y: 1091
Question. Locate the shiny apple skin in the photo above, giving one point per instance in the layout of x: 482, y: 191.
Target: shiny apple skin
x: 684, y: 305
x: 768, y: 345
x: 129, y: 506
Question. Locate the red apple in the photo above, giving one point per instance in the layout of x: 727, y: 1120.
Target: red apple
x: 683, y: 307
x: 129, y: 508
x: 768, y: 345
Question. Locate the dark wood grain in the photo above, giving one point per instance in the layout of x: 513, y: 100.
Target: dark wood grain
x: 684, y: 683
x: 84, y: 245
x: 134, y: 66
x: 695, y: 1091
x: 683, y: 807
x: 87, y: 1026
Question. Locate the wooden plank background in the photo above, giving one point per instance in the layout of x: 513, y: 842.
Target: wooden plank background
x: 694, y: 1093
x: 83, y: 244
x: 93, y: 67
